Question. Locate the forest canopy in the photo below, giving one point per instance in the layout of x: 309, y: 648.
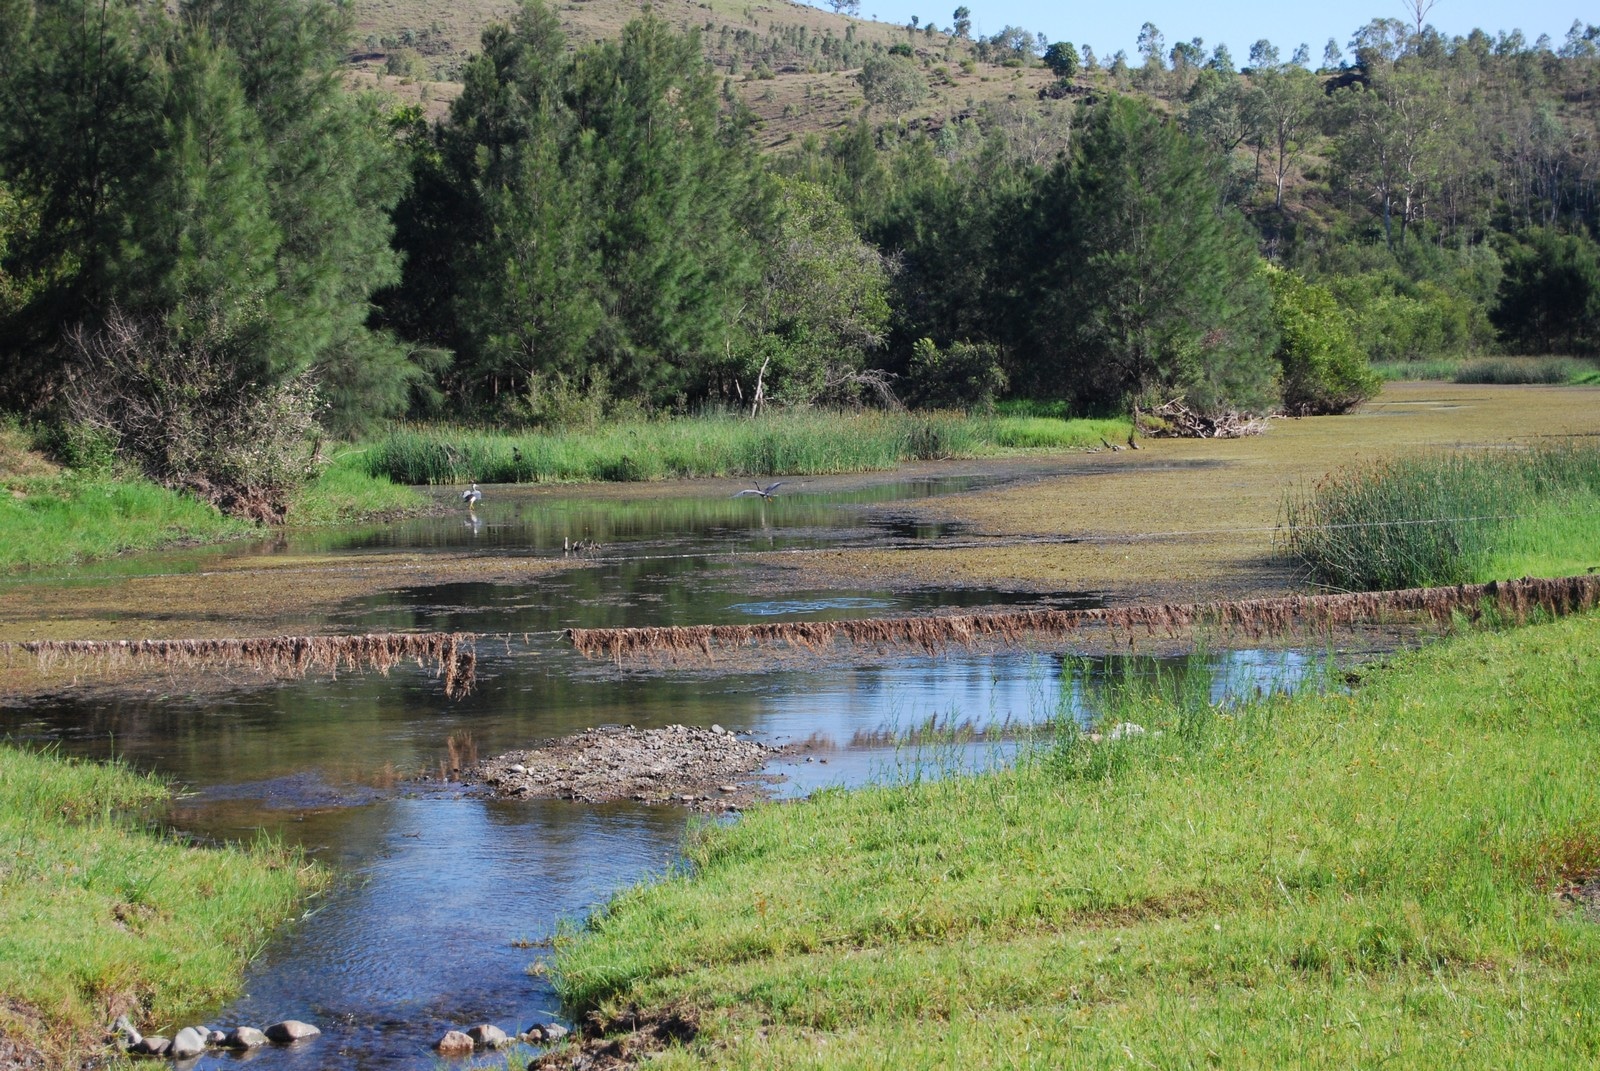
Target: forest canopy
x: 213, y: 245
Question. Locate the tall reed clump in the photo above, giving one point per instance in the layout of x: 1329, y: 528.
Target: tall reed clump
x: 798, y: 442
x: 100, y: 916
x: 1523, y: 370
x: 1437, y: 519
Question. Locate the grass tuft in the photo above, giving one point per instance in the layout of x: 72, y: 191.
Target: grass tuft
x: 1450, y: 519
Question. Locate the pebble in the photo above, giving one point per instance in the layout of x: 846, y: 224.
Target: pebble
x: 454, y: 1043
x: 290, y: 1030
x: 127, y: 1035
x: 244, y: 1037
x: 151, y: 1046
x: 189, y: 1042
x: 215, y: 1037
x: 488, y: 1036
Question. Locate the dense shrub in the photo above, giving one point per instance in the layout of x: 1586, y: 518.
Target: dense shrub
x: 1324, y: 371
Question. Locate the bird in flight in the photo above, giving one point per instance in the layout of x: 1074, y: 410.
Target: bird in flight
x: 763, y: 492
x: 472, y: 497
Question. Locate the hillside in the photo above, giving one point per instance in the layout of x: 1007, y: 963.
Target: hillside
x: 795, y: 66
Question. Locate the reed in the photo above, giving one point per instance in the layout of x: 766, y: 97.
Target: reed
x: 1515, y: 600
x: 450, y: 654
x: 802, y: 443
x: 1509, y: 370
x: 1427, y: 520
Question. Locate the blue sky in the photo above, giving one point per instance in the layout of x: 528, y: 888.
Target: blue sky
x: 1109, y: 26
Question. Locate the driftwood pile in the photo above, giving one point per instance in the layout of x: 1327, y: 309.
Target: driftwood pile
x: 1513, y: 599
x: 1177, y: 421
x: 451, y: 654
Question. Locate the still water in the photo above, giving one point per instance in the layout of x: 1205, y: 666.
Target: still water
x: 445, y: 900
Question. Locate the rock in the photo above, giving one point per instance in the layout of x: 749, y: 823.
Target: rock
x: 553, y: 1031
x: 125, y: 1035
x: 149, y: 1046
x: 290, y: 1030
x: 244, y: 1037
x: 488, y: 1036
x: 1125, y: 729
x: 216, y: 1037
x: 727, y: 788
x: 719, y: 730
x: 454, y: 1043
x: 189, y: 1042
x: 517, y: 767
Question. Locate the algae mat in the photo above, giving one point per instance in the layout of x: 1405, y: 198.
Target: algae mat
x: 1185, y: 519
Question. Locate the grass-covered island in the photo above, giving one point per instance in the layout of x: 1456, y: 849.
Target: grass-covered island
x: 101, y: 916
x: 1400, y: 874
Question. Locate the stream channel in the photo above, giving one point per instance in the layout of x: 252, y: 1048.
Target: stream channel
x: 444, y: 900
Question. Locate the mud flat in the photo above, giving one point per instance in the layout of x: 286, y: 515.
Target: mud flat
x: 708, y: 769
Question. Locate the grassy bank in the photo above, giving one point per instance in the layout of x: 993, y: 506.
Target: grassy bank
x: 1451, y: 518
x: 345, y: 492
x: 1322, y: 881
x: 99, y: 916
x: 796, y: 443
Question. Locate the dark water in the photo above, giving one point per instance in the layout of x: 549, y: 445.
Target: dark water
x: 443, y: 900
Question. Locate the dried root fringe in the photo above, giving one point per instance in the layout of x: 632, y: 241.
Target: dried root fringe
x: 1513, y: 599
x: 451, y: 654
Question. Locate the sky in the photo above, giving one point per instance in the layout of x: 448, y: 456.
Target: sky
x: 1107, y: 27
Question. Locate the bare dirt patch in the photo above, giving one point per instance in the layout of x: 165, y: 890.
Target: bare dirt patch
x: 624, y: 1041
x: 707, y: 769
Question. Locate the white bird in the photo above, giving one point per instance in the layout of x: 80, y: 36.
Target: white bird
x: 764, y: 492
x: 472, y: 497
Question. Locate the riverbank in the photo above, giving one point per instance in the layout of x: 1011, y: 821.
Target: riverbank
x: 1403, y: 874
x: 101, y: 916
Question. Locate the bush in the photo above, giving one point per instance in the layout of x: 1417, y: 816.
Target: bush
x: 177, y: 408
x: 967, y: 375
x: 1324, y: 371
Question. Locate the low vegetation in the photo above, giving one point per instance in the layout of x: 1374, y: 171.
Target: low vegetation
x: 1333, y: 879
x: 1450, y: 519
x: 100, y: 916
x: 794, y: 442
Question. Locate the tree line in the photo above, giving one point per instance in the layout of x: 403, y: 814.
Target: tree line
x: 210, y: 247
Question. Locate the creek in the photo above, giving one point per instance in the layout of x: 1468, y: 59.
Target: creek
x: 444, y: 899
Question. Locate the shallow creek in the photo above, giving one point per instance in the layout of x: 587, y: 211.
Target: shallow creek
x: 444, y: 900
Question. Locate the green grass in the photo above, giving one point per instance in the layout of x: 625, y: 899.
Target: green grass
x: 794, y: 443
x: 98, y: 915
x: 56, y: 520
x: 1524, y: 370
x: 346, y: 492
x: 1440, y: 368
x: 1449, y: 518
x: 1327, y: 880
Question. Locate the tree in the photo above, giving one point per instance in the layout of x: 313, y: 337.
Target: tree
x: 1062, y: 59
x: 823, y: 304
x: 1264, y: 55
x: 1549, y: 300
x: 1152, y: 46
x: 1332, y: 56
x: 1388, y: 143
x: 1324, y: 371
x: 1283, y: 106
x: 1221, y: 60
x: 845, y: 7
x: 961, y: 23
x: 892, y: 81
x: 1151, y: 289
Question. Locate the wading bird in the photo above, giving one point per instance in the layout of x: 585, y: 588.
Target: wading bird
x: 763, y: 492
x: 472, y: 497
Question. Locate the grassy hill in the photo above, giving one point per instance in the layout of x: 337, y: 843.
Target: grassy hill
x: 776, y: 56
